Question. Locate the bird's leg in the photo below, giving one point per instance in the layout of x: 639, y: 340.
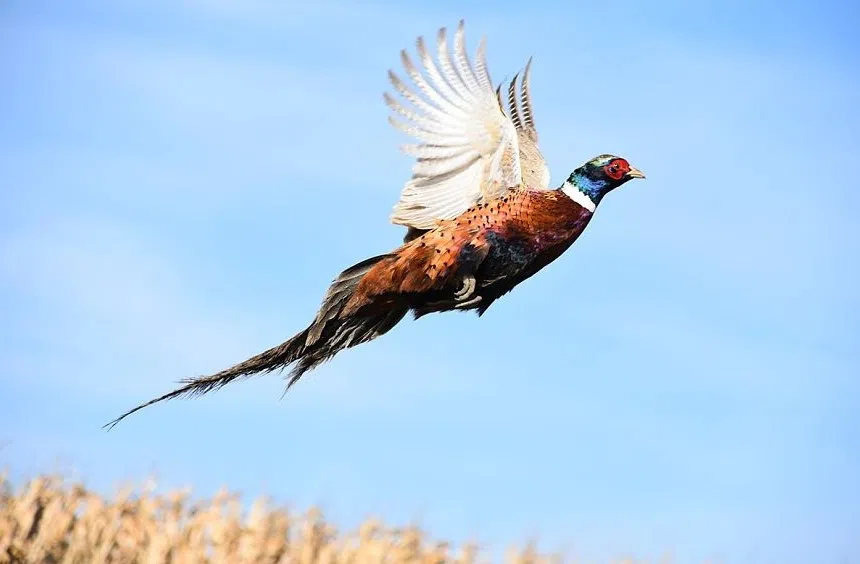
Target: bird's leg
x: 469, y: 259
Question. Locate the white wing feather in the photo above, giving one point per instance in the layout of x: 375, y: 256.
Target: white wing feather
x: 468, y: 150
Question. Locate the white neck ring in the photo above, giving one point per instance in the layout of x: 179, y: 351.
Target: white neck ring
x: 578, y: 196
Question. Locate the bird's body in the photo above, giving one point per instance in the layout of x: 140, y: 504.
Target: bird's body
x: 499, y: 243
x: 481, y: 218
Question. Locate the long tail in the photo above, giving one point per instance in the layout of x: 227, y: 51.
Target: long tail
x: 327, y: 335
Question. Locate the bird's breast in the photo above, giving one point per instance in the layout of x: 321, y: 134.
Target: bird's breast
x: 506, y: 256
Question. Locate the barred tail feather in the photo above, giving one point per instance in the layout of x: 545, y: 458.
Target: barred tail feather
x: 321, y: 340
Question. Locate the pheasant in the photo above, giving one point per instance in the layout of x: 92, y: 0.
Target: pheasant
x: 479, y: 212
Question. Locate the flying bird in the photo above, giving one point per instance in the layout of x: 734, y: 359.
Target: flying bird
x: 479, y: 212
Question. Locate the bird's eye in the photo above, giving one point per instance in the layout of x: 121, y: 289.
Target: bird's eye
x: 614, y: 170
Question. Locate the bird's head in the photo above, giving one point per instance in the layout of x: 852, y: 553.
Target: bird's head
x: 589, y: 183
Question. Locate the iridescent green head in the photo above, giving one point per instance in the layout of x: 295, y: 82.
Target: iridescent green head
x: 598, y: 177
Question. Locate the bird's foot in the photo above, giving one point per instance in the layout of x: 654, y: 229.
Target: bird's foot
x: 466, y: 290
x: 465, y: 295
x: 468, y: 303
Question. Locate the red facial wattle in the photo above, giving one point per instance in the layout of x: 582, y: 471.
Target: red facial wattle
x: 617, y: 169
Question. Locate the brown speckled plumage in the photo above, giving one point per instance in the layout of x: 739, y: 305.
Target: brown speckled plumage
x: 432, y: 262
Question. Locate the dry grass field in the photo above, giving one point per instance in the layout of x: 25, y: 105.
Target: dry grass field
x: 48, y: 520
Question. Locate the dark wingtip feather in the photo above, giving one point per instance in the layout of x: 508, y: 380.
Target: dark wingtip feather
x: 526, y: 97
x: 512, y: 102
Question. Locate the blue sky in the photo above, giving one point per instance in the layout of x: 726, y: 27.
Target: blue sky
x: 179, y: 184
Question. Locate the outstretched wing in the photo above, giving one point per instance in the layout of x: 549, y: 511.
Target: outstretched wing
x: 533, y: 167
x: 468, y: 149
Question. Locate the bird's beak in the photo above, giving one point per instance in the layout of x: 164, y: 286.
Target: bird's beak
x: 634, y: 173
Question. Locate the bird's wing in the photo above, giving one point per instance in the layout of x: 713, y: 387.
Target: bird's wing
x: 468, y: 149
x: 534, y: 169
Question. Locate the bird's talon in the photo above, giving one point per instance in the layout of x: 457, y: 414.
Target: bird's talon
x: 473, y: 301
x: 467, y: 289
